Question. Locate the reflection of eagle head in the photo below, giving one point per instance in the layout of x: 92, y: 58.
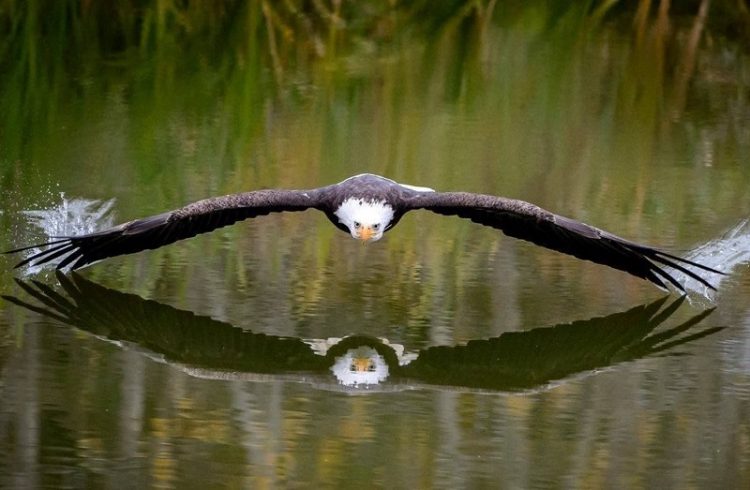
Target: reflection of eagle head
x: 360, y: 366
x: 361, y: 360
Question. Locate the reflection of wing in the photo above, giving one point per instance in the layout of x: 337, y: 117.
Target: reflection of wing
x: 521, y: 360
x: 209, y: 348
x: 180, y: 336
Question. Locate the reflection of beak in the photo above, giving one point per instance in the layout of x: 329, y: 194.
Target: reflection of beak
x: 362, y: 364
x: 365, y: 233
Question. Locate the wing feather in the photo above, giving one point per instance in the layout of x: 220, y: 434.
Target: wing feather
x: 165, y: 228
x: 526, y: 221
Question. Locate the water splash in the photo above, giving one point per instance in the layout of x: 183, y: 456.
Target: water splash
x: 68, y: 218
x: 725, y: 254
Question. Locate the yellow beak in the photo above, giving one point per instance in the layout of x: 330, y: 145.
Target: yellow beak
x: 365, y: 233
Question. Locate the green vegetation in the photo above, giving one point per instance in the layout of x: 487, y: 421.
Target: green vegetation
x: 629, y: 115
x: 235, y: 54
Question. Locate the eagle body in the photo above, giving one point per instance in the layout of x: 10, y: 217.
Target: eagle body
x: 366, y: 206
x: 369, y: 200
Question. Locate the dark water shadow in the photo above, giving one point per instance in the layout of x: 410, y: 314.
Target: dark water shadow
x: 208, y: 348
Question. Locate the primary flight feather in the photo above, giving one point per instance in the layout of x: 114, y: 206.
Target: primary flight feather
x: 366, y: 206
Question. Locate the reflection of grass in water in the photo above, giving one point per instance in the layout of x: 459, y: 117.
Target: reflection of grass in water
x: 207, y: 57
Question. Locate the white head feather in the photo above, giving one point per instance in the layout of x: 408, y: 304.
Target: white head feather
x: 361, y: 214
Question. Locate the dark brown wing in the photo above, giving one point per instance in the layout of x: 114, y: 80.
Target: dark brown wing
x: 180, y: 336
x: 520, y: 219
x: 536, y: 357
x: 163, y: 229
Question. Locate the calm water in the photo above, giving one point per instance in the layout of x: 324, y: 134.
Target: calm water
x: 208, y: 363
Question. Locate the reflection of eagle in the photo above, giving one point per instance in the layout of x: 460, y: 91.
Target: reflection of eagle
x: 205, y: 347
x: 366, y: 206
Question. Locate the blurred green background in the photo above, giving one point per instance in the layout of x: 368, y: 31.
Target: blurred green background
x: 631, y: 116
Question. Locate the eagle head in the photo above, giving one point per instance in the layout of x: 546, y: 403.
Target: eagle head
x: 365, y: 219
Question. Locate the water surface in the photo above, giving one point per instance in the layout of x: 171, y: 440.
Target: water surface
x: 151, y: 382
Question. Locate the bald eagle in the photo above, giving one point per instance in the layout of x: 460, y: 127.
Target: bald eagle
x: 366, y: 206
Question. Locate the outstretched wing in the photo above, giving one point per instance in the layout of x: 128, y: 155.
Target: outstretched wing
x: 163, y: 229
x: 520, y: 219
